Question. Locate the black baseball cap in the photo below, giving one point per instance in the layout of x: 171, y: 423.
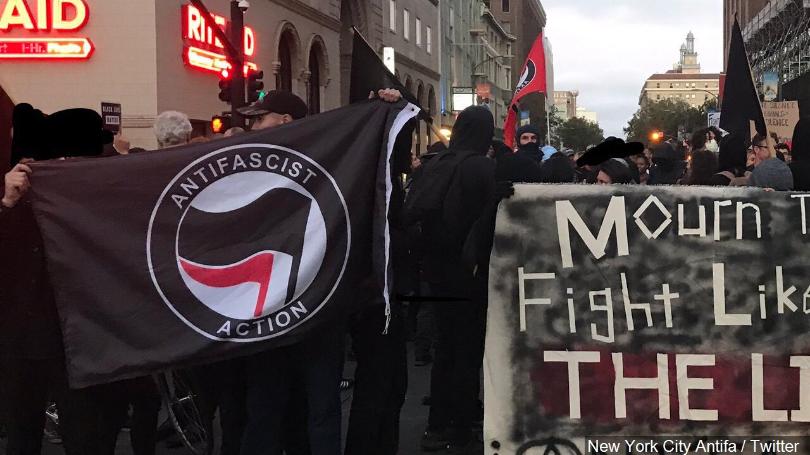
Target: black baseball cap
x: 279, y: 102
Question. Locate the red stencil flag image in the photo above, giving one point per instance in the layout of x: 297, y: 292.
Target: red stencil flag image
x: 261, y: 270
x: 532, y: 80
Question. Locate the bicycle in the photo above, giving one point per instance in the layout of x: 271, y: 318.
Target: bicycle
x: 178, y: 394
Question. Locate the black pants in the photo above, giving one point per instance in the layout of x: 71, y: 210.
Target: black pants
x: 454, y: 382
x: 381, y: 382
x: 314, y: 367
x: 145, y: 401
x: 222, y: 386
x: 28, y: 385
x: 89, y: 419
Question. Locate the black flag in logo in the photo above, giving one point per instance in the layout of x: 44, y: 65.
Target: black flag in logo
x: 236, y: 247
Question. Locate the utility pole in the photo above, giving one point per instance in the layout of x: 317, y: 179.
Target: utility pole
x: 237, y: 38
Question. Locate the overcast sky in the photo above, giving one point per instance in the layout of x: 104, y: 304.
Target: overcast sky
x: 606, y: 49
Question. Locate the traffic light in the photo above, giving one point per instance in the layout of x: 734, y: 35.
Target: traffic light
x: 254, y: 86
x: 225, y: 87
x: 220, y: 124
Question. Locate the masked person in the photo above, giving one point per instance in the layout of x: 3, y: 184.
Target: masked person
x: 302, y: 381
x: 31, y: 348
x: 460, y: 323
x: 527, y: 138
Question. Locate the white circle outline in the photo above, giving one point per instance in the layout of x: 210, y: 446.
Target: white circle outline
x: 203, y: 158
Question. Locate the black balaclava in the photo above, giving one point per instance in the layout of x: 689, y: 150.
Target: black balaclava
x: 473, y: 130
x: 28, y: 138
x: 527, y: 129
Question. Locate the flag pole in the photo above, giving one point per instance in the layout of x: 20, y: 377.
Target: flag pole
x: 548, y: 125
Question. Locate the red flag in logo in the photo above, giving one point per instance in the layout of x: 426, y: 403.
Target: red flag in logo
x: 256, y: 269
x: 532, y: 80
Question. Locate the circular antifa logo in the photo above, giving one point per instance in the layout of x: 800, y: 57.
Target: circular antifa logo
x: 248, y: 242
x: 527, y: 77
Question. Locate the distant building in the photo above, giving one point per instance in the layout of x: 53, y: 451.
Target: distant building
x: 585, y: 114
x: 565, y: 104
x: 684, y: 82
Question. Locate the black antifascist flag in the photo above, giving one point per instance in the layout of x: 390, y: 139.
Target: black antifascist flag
x: 369, y: 73
x: 740, y: 99
x: 210, y: 251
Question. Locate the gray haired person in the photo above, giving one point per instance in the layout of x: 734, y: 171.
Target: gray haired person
x: 172, y: 128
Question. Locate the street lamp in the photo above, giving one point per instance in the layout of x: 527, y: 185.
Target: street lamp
x: 475, y: 68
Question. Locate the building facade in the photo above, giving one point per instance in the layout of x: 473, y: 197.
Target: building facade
x: 744, y: 10
x: 777, y: 39
x: 565, y: 104
x: 476, y: 64
x: 585, y: 114
x: 413, y: 29
x: 684, y: 82
x: 155, y: 55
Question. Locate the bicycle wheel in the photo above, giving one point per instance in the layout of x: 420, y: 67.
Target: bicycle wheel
x: 178, y: 394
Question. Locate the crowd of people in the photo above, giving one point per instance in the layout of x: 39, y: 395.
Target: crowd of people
x: 287, y: 400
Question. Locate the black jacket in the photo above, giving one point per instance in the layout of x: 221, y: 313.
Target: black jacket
x: 471, y: 191
x: 29, y: 323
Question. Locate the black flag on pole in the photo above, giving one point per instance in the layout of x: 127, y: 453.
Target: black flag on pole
x: 216, y: 250
x: 369, y: 73
x: 741, y: 104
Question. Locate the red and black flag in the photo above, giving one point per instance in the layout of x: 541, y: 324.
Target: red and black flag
x: 532, y: 80
x: 210, y: 251
x: 741, y: 104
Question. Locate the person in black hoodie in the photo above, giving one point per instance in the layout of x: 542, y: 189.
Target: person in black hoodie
x: 557, y: 169
x: 515, y: 167
x: 800, y: 162
x: 461, y: 317
x: 668, y: 165
x: 31, y: 352
x: 527, y: 138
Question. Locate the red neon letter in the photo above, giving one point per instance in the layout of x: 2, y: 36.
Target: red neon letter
x: 250, y: 42
x: 193, y: 23
x: 60, y: 19
x: 43, y: 20
x: 16, y: 12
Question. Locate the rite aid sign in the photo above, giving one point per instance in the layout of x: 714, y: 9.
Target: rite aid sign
x: 42, y: 16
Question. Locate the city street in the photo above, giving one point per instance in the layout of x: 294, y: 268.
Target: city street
x: 414, y: 415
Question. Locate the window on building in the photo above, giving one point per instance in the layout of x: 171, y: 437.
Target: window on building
x: 657, y: 97
x: 670, y: 85
x: 406, y: 24
x: 508, y: 48
x: 505, y: 6
x: 284, y: 76
x: 418, y: 32
x: 707, y: 85
x: 392, y: 15
x: 314, y: 85
x: 452, y: 19
x: 429, y: 40
x: 508, y: 84
x: 658, y: 85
